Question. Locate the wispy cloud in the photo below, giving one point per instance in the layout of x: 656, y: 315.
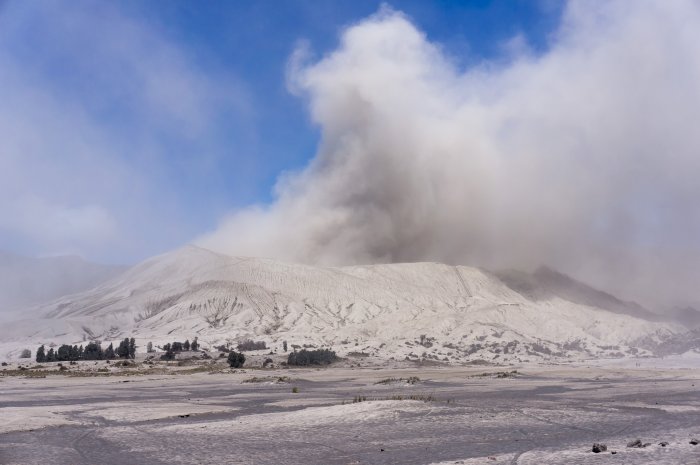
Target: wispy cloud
x: 583, y: 157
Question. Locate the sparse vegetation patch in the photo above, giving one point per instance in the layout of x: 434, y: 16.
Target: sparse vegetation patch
x: 409, y: 380
x: 311, y: 357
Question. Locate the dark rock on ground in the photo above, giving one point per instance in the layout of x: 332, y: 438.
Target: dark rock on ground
x: 598, y: 448
x: 694, y: 442
x: 635, y: 443
x: 663, y: 443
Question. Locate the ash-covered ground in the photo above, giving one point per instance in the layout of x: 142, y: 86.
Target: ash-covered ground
x: 342, y: 415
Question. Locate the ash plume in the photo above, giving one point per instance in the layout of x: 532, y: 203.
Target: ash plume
x: 583, y: 157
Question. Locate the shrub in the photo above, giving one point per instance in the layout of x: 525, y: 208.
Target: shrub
x: 26, y: 353
x: 295, y: 390
x: 312, y: 357
x: 358, y: 354
x: 251, y: 345
x: 236, y: 359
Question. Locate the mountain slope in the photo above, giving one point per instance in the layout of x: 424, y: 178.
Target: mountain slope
x: 411, y: 310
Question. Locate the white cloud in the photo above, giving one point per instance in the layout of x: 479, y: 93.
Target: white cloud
x: 59, y: 228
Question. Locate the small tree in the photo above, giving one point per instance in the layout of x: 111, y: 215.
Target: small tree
x: 26, y: 353
x: 186, y: 345
x: 132, y: 348
x: 123, y: 349
x: 50, y: 356
x: 41, y: 354
x: 109, y: 352
x: 236, y: 359
x: 284, y: 345
x: 93, y: 351
x: 177, y: 346
x: 194, y: 345
x: 149, y: 347
x: 74, y: 353
x: 63, y: 353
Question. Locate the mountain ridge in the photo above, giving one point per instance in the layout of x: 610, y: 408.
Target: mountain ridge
x: 408, y: 310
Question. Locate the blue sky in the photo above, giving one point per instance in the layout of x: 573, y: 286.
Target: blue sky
x: 132, y: 127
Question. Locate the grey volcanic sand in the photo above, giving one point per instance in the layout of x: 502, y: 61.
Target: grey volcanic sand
x: 544, y: 415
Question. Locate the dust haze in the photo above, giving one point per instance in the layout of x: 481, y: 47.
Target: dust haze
x: 583, y: 157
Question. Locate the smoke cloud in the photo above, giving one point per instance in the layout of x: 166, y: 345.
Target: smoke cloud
x: 583, y: 157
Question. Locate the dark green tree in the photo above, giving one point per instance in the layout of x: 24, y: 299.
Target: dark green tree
x: 50, y: 356
x: 73, y: 353
x: 109, y: 352
x: 186, y: 345
x: 41, y: 354
x: 284, y: 345
x: 93, y: 351
x: 195, y: 344
x: 63, y: 353
x: 132, y: 348
x: 123, y: 349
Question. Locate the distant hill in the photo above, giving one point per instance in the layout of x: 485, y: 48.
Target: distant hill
x: 28, y: 281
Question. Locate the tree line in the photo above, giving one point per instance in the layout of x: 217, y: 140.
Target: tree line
x: 177, y: 347
x: 92, y: 351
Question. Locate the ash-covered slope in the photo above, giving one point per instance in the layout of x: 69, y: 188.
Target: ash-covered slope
x: 417, y: 310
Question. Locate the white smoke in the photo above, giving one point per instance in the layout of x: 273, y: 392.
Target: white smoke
x: 584, y: 157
